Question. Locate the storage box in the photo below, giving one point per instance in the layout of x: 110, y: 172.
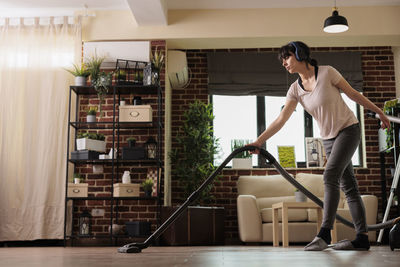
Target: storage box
x: 138, y: 228
x: 90, y: 144
x: 135, y: 113
x: 78, y: 190
x: 133, y: 153
x: 84, y: 154
x: 126, y: 190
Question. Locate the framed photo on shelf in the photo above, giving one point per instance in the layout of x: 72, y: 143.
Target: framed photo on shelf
x: 287, y: 158
x: 315, y: 156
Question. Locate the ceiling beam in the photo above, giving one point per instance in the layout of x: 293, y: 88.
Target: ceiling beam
x: 149, y: 12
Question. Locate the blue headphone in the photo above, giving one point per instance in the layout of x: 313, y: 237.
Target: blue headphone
x: 298, y: 52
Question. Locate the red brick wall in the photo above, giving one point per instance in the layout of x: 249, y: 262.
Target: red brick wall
x: 379, y: 86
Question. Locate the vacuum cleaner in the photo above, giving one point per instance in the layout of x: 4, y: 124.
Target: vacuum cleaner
x: 394, y: 234
x: 138, y: 247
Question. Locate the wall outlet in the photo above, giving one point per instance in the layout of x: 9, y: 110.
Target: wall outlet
x: 98, y: 212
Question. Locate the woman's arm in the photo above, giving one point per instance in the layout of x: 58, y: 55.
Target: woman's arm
x: 277, y: 124
x: 362, y: 100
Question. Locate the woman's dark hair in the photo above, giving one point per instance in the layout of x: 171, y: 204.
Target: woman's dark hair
x: 299, y: 49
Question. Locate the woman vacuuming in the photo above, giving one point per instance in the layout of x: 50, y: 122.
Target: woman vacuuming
x: 318, y: 89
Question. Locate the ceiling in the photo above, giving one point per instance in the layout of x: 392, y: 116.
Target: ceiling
x: 159, y: 8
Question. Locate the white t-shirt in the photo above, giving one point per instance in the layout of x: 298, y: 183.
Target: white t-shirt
x: 324, y: 102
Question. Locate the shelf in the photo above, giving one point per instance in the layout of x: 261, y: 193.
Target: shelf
x: 119, y: 89
x: 110, y: 161
x: 110, y: 198
x: 110, y: 125
x: 114, y: 130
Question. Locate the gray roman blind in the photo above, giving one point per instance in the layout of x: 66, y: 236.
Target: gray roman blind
x: 250, y: 73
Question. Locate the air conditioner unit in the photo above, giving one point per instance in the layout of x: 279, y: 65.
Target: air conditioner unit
x: 128, y: 50
x: 178, y: 71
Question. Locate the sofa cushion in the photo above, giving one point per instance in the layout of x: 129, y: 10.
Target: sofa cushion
x: 315, y: 184
x: 345, y: 213
x: 294, y: 215
x: 264, y: 186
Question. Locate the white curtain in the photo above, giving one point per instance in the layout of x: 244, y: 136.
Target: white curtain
x: 34, y: 91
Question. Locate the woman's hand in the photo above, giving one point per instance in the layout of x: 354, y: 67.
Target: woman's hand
x: 256, y: 144
x: 385, y: 122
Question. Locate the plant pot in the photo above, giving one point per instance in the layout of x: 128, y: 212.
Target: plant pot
x: 80, y: 81
x: 300, y: 197
x: 90, y: 144
x: 131, y: 143
x: 242, y: 163
x: 91, y: 118
x: 77, y: 180
x: 147, y: 193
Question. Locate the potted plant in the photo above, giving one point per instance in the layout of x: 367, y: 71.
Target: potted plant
x: 242, y: 160
x: 120, y: 75
x: 157, y: 61
x: 91, y: 114
x: 81, y: 74
x: 77, y: 178
x: 392, y: 108
x: 100, y: 80
x: 131, y: 141
x: 148, y: 187
x: 194, y: 157
x: 299, y: 196
x: 192, y: 163
x: 91, y: 141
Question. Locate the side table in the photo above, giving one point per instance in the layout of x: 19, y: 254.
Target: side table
x: 285, y: 227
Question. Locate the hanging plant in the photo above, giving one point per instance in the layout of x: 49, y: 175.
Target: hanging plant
x: 157, y: 61
x: 101, y: 86
x: 391, y: 107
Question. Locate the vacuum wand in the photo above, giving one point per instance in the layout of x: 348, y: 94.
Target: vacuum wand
x: 391, y: 118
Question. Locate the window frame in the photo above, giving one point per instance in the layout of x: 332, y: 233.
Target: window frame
x: 308, y: 130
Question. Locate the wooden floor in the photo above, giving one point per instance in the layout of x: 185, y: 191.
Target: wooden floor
x: 196, y: 256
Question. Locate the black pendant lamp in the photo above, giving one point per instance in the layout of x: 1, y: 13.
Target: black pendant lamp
x: 336, y: 23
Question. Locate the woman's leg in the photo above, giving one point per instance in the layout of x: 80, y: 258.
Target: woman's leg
x: 349, y: 186
x: 339, y: 152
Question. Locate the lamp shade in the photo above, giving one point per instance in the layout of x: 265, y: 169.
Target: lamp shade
x: 336, y: 23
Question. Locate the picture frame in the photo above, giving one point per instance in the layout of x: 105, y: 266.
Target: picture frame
x: 287, y: 158
x: 315, y: 152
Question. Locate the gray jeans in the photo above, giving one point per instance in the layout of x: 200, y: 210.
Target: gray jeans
x: 339, y: 171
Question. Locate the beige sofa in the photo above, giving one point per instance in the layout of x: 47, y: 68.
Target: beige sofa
x: 256, y: 194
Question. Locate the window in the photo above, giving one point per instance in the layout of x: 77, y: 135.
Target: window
x: 236, y: 118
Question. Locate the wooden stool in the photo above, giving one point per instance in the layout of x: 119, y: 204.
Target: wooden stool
x: 285, y: 225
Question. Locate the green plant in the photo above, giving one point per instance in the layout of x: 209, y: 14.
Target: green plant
x: 101, y: 86
x: 94, y: 136
x: 391, y: 107
x: 131, y: 139
x: 78, y: 176
x: 120, y: 74
x: 148, y: 184
x: 238, y: 143
x: 196, y: 146
x: 92, y: 111
x: 77, y: 70
x: 157, y: 59
x: 93, y: 64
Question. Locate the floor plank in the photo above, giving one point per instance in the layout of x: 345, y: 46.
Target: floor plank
x: 231, y: 256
